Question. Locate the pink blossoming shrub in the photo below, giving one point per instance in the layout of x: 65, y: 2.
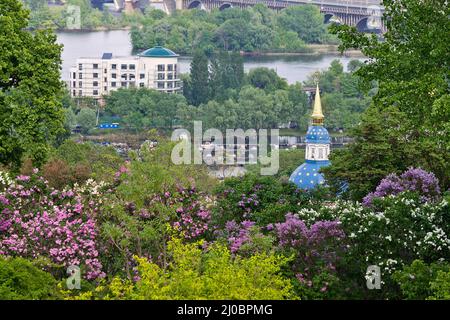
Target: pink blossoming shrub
x: 188, y: 210
x: 192, y: 216
x: 316, y: 249
x: 414, y: 180
x: 238, y: 234
x: 37, y: 221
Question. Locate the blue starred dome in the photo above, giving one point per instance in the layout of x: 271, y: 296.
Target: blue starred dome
x: 307, y: 175
x: 317, y: 134
x: 158, y: 52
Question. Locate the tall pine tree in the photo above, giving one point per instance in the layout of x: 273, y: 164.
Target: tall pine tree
x: 199, y: 81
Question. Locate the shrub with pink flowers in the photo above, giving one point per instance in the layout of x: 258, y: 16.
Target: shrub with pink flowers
x: 413, y: 180
x: 193, y: 217
x: 38, y: 222
x: 316, y: 249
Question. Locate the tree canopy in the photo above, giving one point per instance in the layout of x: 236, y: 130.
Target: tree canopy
x: 31, y: 115
x: 410, y: 68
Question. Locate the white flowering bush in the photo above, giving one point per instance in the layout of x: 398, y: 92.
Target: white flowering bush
x: 399, y: 230
x: 5, y: 180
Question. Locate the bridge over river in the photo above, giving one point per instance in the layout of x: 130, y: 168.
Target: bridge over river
x: 364, y: 14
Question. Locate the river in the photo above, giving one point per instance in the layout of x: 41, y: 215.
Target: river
x: 93, y: 44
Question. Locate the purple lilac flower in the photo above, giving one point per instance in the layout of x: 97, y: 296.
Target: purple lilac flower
x: 414, y: 179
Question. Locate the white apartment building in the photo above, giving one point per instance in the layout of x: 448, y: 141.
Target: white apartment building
x: 155, y: 68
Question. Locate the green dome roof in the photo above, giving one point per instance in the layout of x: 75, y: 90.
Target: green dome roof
x: 158, y: 52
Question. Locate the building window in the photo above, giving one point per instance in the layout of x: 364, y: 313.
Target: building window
x: 105, y: 71
x: 105, y: 79
x: 114, y: 66
x: 95, y: 83
x: 95, y: 92
x: 80, y: 84
x: 132, y: 77
x: 74, y: 92
x: 80, y: 76
x: 74, y: 84
x: 95, y: 75
x: 141, y: 85
x: 132, y: 84
x: 161, y: 76
x: 80, y: 66
x: 123, y: 67
x: 160, y: 85
x: 113, y: 84
x: 105, y: 88
x: 113, y: 75
x: 124, y: 77
x: 132, y: 67
x: 95, y: 65
x: 142, y: 76
x: 169, y: 85
x: 170, y: 76
x: 74, y: 75
x: 80, y: 92
x: 161, y: 67
x: 123, y: 84
x: 170, y: 67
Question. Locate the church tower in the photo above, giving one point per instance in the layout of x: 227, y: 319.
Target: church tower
x: 307, y: 175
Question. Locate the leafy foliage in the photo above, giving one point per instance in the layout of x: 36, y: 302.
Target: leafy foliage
x: 203, y: 274
x: 251, y: 29
x: 421, y: 281
x: 21, y: 280
x: 31, y: 115
x: 411, y: 70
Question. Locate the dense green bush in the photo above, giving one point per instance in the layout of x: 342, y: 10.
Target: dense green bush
x: 422, y: 281
x: 21, y: 280
x: 194, y: 274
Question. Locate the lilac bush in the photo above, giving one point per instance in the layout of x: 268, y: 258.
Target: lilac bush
x: 238, y: 234
x: 40, y: 222
x: 192, y: 217
x: 316, y: 249
x: 414, y: 179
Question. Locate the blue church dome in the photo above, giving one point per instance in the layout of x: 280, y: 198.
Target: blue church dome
x: 317, y: 134
x: 307, y: 175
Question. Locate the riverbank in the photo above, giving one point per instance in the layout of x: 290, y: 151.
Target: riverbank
x: 311, y: 49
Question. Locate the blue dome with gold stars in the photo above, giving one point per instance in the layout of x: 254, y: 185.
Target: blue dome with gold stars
x: 317, y: 134
x: 307, y: 175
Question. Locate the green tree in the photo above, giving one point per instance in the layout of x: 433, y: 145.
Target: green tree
x: 267, y: 79
x: 86, y: 118
x: 31, y: 115
x: 199, y: 89
x: 411, y: 69
x: 306, y: 20
x: 226, y: 72
x: 381, y: 147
